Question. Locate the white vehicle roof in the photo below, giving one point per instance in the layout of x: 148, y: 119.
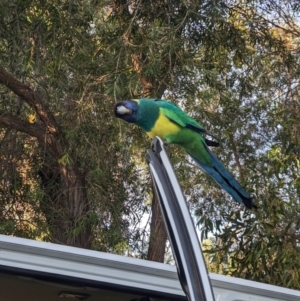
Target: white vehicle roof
x: 47, y: 269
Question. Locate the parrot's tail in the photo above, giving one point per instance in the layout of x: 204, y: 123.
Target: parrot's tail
x: 226, y: 180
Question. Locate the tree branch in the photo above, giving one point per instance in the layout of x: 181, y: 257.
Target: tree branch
x: 46, y: 134
x: 15, y: 122
x: 34, y: 101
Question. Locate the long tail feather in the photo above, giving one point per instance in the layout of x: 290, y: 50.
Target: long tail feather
x: 226, y: 180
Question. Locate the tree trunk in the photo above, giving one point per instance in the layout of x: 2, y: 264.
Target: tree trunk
x: 158, y: 233
x: 65, y: 204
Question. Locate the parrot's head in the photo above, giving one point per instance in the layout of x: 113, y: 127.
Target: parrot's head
x: 127, y: 110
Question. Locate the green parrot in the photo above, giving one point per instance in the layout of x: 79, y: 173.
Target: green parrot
x: 164, y: 119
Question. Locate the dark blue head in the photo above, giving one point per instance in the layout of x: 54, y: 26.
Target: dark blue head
x: 127, y: 110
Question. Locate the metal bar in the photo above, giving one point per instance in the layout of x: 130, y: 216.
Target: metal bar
x: 186, y: 248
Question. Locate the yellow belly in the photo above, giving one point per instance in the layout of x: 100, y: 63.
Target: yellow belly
x: 163, y: 128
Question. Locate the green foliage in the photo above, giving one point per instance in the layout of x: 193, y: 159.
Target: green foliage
x: 257, y: 105
x: 232, y: 65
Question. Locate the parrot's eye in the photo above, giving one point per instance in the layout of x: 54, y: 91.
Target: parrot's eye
x: 122, y: 110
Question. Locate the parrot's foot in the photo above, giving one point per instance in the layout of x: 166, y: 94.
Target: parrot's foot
x: 166, y: 144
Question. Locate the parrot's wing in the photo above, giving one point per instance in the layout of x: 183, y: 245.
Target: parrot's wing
x: 176, y: 115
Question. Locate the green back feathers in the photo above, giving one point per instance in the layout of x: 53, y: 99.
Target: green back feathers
x: 149, y: 112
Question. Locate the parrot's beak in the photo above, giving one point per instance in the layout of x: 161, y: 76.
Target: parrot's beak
x: 122, y: 110
x: 126, y: 110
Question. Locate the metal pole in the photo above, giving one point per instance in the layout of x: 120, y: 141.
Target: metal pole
x: 192, y: 271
